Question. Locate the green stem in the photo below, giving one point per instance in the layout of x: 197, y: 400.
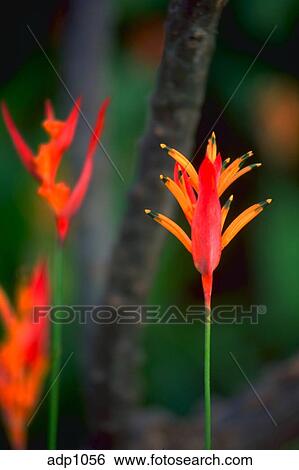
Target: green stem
x: 207, y: 380
x: 207, y: 283
x: 56, y: 348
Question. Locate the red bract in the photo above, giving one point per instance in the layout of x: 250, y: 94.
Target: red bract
x: 23, y: 354
x: 63, y: 200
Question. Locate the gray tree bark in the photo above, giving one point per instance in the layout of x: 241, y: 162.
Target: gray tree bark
x: 88, y: 42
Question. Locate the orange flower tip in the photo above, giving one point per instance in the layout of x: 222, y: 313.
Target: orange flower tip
x: 213, y: 137
x: 163, y: 178
x: 255, y: 165
x: 265, y: 203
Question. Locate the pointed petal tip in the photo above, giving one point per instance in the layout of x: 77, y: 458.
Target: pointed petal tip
x: 247, y: 155
x: 250, y: 167
x: 164, y: 146
x: 225, y: 163
x: 150, y: 213
x: 265, y: 203
x: 229, y: 201
x: 163, y: 178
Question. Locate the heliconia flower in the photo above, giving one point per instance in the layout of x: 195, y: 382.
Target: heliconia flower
x: 24, y: 354
x: 44, y: 166
x: 198, y: 195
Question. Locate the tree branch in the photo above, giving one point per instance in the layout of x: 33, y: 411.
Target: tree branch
x: 174, y: 116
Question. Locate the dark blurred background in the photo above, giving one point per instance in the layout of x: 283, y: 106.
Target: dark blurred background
x: 259, y: 267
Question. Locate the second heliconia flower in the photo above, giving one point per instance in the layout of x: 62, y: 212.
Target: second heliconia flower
x: 44, y: 166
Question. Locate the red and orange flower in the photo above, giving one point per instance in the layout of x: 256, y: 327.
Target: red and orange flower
x: 23, y: 355
x: 44, y: 166
x: 199, y: 194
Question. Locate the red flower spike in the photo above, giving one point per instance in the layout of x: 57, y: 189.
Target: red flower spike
x: 49, y: 111
x: 67, y: 134
x: 23, y: 355
x: 76, y: 197
x: 21, y: 147
x: 44, y: 166
x: 206, y: 218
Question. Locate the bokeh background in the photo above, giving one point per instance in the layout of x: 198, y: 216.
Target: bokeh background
x: 259, y: 267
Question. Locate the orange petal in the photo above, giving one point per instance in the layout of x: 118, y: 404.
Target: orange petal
x: 185, y: 164
x: 172, y: 227
x: 56, y: 195
x: 228, y: 172
x: 179, y: 195
x: 243, y: 219
x: 225, y: 209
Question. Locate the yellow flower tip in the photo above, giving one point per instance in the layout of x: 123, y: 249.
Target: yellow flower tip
x: 250, y: 153
x: 225, y: 163
x: 151, y: 213
x: 212, y: 148
x: 164, y: 146
x: 163, y: 178
x: 265, y: 203
x: 255, y: 165
x: 228, y: 202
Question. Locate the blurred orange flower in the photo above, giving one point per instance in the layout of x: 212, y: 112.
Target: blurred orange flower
x: 23, y: 355
x: 44, y: 166
x: 275, y: 118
